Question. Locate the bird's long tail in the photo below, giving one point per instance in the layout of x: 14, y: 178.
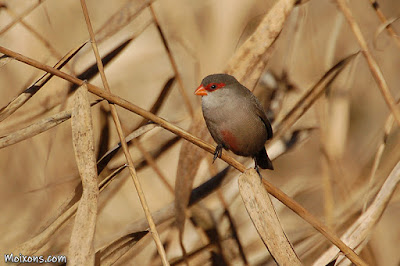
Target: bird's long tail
x: 262, y: 160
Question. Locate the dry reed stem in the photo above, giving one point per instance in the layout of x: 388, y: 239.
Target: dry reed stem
x: 263, y: 215
x: 121, y: 136
x: 378, y: 156
x: 297, y: 208
x: 159, y: 216
x: 173, y: 63
x: 208, y: 247
x: 34, y: 129
x: 138, y: 132
x: 116, y: 250
x: 21, y: 16
x: 388, y: 26
x: 360, y: 229
x: 81, y: 245
x: 21, y: 99
x: 372, y: 64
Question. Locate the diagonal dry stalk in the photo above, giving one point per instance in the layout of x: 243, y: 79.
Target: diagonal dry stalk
x: 21, y: 99
x: 277, y: 193
x: 21, y: 16
x: 36, y: 128
x: 173, y: 63
x: 372, y: 64
x: 128, y: 157
x: 388, y: 27
x: 378, y: 156
x: 105, y: 159
x: 358, y: 232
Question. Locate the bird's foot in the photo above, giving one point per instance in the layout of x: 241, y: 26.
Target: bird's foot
x: 217, y: 152
x: 257, y: 169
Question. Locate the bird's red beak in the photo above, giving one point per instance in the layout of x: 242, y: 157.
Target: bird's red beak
x: 200, y: 91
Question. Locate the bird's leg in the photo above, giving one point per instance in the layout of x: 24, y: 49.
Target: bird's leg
x: 217, y: 152
x: 257, y: 168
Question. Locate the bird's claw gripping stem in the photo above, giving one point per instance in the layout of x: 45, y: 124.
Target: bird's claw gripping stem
x: 217, y: 152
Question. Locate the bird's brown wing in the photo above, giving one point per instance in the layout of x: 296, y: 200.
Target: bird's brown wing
x: 259, y: 110
x: 267, y: 125
x: 261, y: 114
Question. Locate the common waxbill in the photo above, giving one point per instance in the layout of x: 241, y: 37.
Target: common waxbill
x: 235, y: 118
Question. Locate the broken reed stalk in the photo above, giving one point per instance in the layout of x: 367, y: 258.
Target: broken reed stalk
x: 128, y: 157
x: 277, y: 193
x: 372, y: 64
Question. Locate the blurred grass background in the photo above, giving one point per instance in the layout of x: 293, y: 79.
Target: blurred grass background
x: 328, y: 174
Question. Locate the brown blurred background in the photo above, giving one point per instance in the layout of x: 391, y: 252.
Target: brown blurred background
x: 328, y: 173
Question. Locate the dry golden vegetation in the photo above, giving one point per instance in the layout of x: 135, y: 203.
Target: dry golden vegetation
x: 77, y: 77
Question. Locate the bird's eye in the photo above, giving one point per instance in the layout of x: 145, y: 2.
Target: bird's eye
x: 213, y: 86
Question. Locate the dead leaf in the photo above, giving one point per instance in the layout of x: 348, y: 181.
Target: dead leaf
x: 262, y: 213
x: 81, y: 248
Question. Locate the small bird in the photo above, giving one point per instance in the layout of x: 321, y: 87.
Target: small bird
x: 235, y: 118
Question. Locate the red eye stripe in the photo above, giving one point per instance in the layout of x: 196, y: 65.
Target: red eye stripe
x: 214, y: 86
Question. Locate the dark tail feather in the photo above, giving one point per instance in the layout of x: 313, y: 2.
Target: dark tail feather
x: 262, y: 160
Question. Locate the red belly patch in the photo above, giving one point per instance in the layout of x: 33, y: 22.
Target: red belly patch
x: 230, y: 140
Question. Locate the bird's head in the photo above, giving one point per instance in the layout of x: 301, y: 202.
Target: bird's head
x: 213, y: 83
